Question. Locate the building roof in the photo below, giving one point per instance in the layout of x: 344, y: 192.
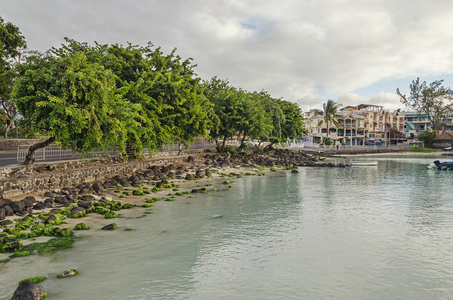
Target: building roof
x: 445, y: 136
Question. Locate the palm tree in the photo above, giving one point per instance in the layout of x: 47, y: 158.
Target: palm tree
x: 330, y: 112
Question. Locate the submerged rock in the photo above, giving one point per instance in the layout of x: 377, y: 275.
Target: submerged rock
x: 112, y: 226
x: 67, y: 273
x: 29, y: 291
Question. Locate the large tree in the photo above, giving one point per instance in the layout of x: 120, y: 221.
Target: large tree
x: 433, y: 100
x: 12, y: 45
x: 72, y: 101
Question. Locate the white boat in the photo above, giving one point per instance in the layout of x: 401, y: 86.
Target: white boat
x: 363, y: 163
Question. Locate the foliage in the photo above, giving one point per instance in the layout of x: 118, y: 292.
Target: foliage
x: 12, y: 44
x: 394, y: 133
x: 433, y: 100
x: 36, y: 279
x: 72, y: 100
x: 329, y: 113
x: 81, y: 226
x: 427, y: 138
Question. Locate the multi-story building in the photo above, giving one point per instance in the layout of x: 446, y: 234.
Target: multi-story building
x: 359, y: 125
x: 418, y: 123
x: 347, y: 128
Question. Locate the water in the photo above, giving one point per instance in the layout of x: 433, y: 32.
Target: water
x: 380, y: 232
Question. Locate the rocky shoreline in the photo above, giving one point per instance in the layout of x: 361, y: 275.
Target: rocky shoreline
x: 58, y: 213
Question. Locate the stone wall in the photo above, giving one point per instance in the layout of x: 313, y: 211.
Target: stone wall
x: 12, y: 144
x: 42, y: 177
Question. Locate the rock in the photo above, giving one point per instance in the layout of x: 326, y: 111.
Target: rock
x: 85, y: 204
x: 112, y: 226
x: 98, y: 187
x: 28, y: 290
x: 10, y: 244
x: 2, y: 214
x: 78, y: 211
x: 39, y: 206
x: 5, y: 222
x: 67, y: 273
x: 28, y: 202
x: 189, y: 177
x: 5, y: 202
x: 294, y: 171
x: 17, y: 206
x: 8, y: 211
x: 51, y: 218
x: 70, y: 198
x: 60, y: 200
x: 87, y: 198
x: 48, y: 194
x: 107, y: 198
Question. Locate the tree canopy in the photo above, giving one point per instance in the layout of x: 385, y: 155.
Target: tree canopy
x: 329, y: 112
x: 433, y: 100
x: 97, y: 97
x: 73, y: 101
x: 12, y: 44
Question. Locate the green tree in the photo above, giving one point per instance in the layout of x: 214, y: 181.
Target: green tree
x: 12, y: 44
x: 185, y: 108
x: 433, y: 100
x: 72, y: 101
x: 329, y: 113
x: 427, y: 138
x: 227, y: 108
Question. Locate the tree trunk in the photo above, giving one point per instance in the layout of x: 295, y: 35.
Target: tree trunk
x: 180, y: 149
x: 29, y: 160
x: 242, y: 143
x: 7, y: 127
x: 223, y: 144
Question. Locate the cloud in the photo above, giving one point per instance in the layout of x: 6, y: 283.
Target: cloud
x: 300, y: 50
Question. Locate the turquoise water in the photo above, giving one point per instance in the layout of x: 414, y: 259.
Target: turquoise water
x: 382, y: 232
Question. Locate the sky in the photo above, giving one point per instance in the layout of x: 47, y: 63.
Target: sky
x: 304, y: 51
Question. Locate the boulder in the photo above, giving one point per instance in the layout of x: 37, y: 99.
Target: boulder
x: 17, y: 206
x: 48, y: 194
x: 39, y: 206
x: 51, y: 218
x: 28, y: 202
x: 112, y: 226
x: 60, y: 200
x: 10, y: 244
x: 28, y: 290
x: 87, y: 198
x: 189, y: 177
x: 85, y: 204
x: 67, y: 273
x: 5, y: 202
x: 5, y: 222
x: 78, y: 211
x: 98, y: 187
x: 294, y: 171
x: 8, y: 211
x: 2, y: 214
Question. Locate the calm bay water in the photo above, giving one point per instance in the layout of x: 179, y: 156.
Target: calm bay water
x: 382, y: 232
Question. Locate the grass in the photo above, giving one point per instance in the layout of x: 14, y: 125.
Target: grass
x: 423, y: 150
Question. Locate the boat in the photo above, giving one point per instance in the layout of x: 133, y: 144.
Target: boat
x: 447, y: 165
x: 447, y: 149
x: 363, y: 163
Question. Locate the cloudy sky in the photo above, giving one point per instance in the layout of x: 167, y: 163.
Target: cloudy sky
x: 305, y: 51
